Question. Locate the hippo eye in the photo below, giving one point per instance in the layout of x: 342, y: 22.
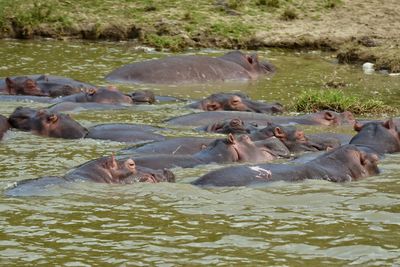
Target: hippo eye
x: 212, y: 107
x: 235, y: 100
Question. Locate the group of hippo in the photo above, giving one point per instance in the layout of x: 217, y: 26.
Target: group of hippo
x: 254, y: 133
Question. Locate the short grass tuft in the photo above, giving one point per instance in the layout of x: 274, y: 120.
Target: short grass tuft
x: 337, y: 100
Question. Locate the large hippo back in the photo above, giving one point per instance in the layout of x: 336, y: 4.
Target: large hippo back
x: 187, y: 69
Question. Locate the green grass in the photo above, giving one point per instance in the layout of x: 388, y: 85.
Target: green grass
x: 337, y: 100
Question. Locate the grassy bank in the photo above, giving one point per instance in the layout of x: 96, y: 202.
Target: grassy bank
x: 242, y: 24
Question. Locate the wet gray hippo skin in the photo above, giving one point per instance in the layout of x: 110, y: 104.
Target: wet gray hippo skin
x: 230, y: 149
x: 379, y: 137
x: 193, y: 69
x: 328, y: 118
x: 124, y: 132
x: 41, y: 85
x: 103, y: 170
x: 4, y: 126
x: 235, y: 102
x: 346, y: 163
x: 45, y: 123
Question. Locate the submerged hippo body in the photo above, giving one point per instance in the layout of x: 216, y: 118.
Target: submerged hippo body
x: 124, y: 132
x: 45, y: 123
x: 103, y: 170
x: 4, y: 126
x: 192, y: 69
x: 343, y: 164
x: 41, y: 85
x: 235, y: 102
x: 210, y: 117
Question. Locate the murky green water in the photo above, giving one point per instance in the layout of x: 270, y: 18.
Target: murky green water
x: 283, y: 224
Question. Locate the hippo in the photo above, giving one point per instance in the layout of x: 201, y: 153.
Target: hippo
x: 325, y: 117
x: 45, y: 123
x: 42, y: 85
x: 233, y: 66
x: 377, y: 136
x: 104, y: 170
x: 230, y: 149
x: 235, y: 102
x: 98, y: 95
x: 192, y: 145
x: 343, y: 164
x: 4, y: 126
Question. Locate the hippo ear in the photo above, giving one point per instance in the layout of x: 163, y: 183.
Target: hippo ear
x: 357, y: 126
x: 328, y: 115
x: 235, y: 100
x: 249, y: 59
x: 91, y: 91
x: 389, y: 124
x: 52, y: 118
x: 364, y: 159
x: 231, y: 139
x: 110, y: 163
x: 211, y: 106
x: 10, y: 84
x: 279, y: 133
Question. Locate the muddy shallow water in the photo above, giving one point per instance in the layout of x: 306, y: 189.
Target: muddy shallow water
x: 82, y: 224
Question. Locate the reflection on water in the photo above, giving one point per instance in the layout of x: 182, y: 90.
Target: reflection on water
x: 283, y: 224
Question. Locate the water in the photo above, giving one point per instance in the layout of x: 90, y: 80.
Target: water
x: 284, y: 224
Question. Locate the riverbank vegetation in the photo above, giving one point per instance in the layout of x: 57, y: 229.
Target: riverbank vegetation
x: 353, y: 28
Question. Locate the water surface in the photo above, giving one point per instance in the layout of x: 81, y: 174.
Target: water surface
x: 283, y: 224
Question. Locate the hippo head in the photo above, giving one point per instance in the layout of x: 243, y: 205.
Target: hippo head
x: 125, y: 171
x: 235, y: 149
x: 22, y: 118
x: 382, y: 137
x: 327, y: 117
x: 294, y: 139
x: 23, y: 86
x: 143, y: 96
x: 250, y: 62
x: 233, y: 126
x: 104, y: 95
x: 45, y: 123
x: 235, y: 102
x: 349, y: 163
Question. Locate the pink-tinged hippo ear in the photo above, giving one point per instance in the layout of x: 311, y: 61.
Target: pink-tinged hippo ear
x: 91, y: 91
x: 389, y: 124
x: 203, y: 146
x: 211, y: 106
x: 52, y: 118
x: 231, y: 139
x: 235, y: 100
x: 328, y: 115
x: 111, y: 163
x: 249, y: 59
x: 358, y: 126
x: 279, y: 133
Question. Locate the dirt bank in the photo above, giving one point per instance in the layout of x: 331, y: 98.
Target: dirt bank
x: 357, y: 30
